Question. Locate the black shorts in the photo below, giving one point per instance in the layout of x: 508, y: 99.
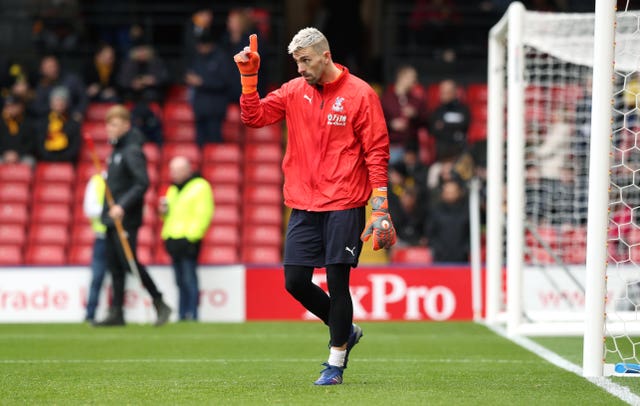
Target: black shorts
x: 318, y: 239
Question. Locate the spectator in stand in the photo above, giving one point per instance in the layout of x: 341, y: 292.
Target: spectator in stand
x: 461, y: 170
x: 433, y: 27
x: 147, y: 122
x: 448, y: 224
x: 58, y: 135
x: 17, y: 134
x: 52, y: 77
x: 92, y: 205
x: 57, y: 27
x: 408, y: 199
x: 144, y: 76
x: 201, y: 21
x: 409, y: 217
x: 449, y: 123
x: 212, y: 78
x: 239, y: 27
x: 23, y: 91
x: 556, y: 171
x: 404, y: 106
x: 100, y: 76
x: 416, y: 171
x: 186, y: 210
x: 14, y: 81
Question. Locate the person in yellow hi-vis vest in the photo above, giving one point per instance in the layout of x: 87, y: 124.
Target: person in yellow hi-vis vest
x: 187, y: 210
x: 92, y: 206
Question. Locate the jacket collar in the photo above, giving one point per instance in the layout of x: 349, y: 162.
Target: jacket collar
x: 336, y: 83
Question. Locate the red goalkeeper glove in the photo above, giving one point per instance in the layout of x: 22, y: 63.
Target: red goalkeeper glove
x: 248, y: 62
x: 379, y: 225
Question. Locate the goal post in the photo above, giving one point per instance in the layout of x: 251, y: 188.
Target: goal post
x: 563, y: 179
x: 598, y: 211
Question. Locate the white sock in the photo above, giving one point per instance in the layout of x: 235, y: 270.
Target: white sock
x: 336, y: 357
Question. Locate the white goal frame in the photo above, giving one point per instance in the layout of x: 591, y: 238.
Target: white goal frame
x: 507, y: 54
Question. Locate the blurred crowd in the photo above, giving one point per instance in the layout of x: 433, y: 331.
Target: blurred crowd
x: 432, y: 158
x: 43, y: 106
x: 432, y: 161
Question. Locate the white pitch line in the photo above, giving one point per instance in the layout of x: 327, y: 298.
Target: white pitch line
x: 254, y: 360
x: 621, y: 392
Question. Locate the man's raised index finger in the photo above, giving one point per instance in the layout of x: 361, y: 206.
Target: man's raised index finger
x: 253, y: 43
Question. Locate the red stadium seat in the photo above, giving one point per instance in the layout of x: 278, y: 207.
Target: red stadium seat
x: 574, y: 245
x: 232, y: 132
x: 151, y: 197
x: 219, y: 255
x: 263, y: 194
x: 261, y: 235
x: 80, y: 254
x: 51, y: 213
x: 12, y: 192
x: 102, y: 150
x: 188, y: 150
x: 97, y: 111
x: 152, y: 174
x: 61, y: 172
x: 78, y: 214
x: 151, y: 152
x: 144, y: 254
x: 226, y: 214
x: 222, y: 173
x: 272, y: 133
x: 263, y: 173
x: 177, y: 93
x: 53, y: 193
x: 175, y: 131
x: 479, y: 113
x: 576, y: 256
x: 13, y: 213
x: 12, y: 234
x: 477, y: 93
x: 412, y: 255
x: 225, y: 152
x: 150, y: 215
x: 267, y: 152
x: 222, y: 235
x: 38, y: 254
x: 178, y: 111
x: 146, y: 236
x: 226, y: 194
x: 18, y: 173
x: 161, y: 257
x: 538, y: 255
x: 84, y: 172
x: 233, y: 113
x: 548, y: 235
x: 82, y: 234
x: 427, y: 147
x: 11, y: 254
x: 270, y: 214
x: 96, y: 130
x: 261, y: 255
x: 477, y: 132
x: 52, y: 234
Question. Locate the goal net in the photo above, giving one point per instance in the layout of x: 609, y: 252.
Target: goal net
x: 540, y: 76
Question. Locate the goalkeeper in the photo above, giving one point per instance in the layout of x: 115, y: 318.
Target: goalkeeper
x: 337, y: 152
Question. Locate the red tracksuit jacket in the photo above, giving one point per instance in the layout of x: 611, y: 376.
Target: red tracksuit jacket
x: 338, y: 145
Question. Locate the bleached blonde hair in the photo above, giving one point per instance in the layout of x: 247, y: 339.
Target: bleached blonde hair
x: 309, y: 37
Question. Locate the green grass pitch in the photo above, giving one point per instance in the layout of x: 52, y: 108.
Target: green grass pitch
x: 276, y: 363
